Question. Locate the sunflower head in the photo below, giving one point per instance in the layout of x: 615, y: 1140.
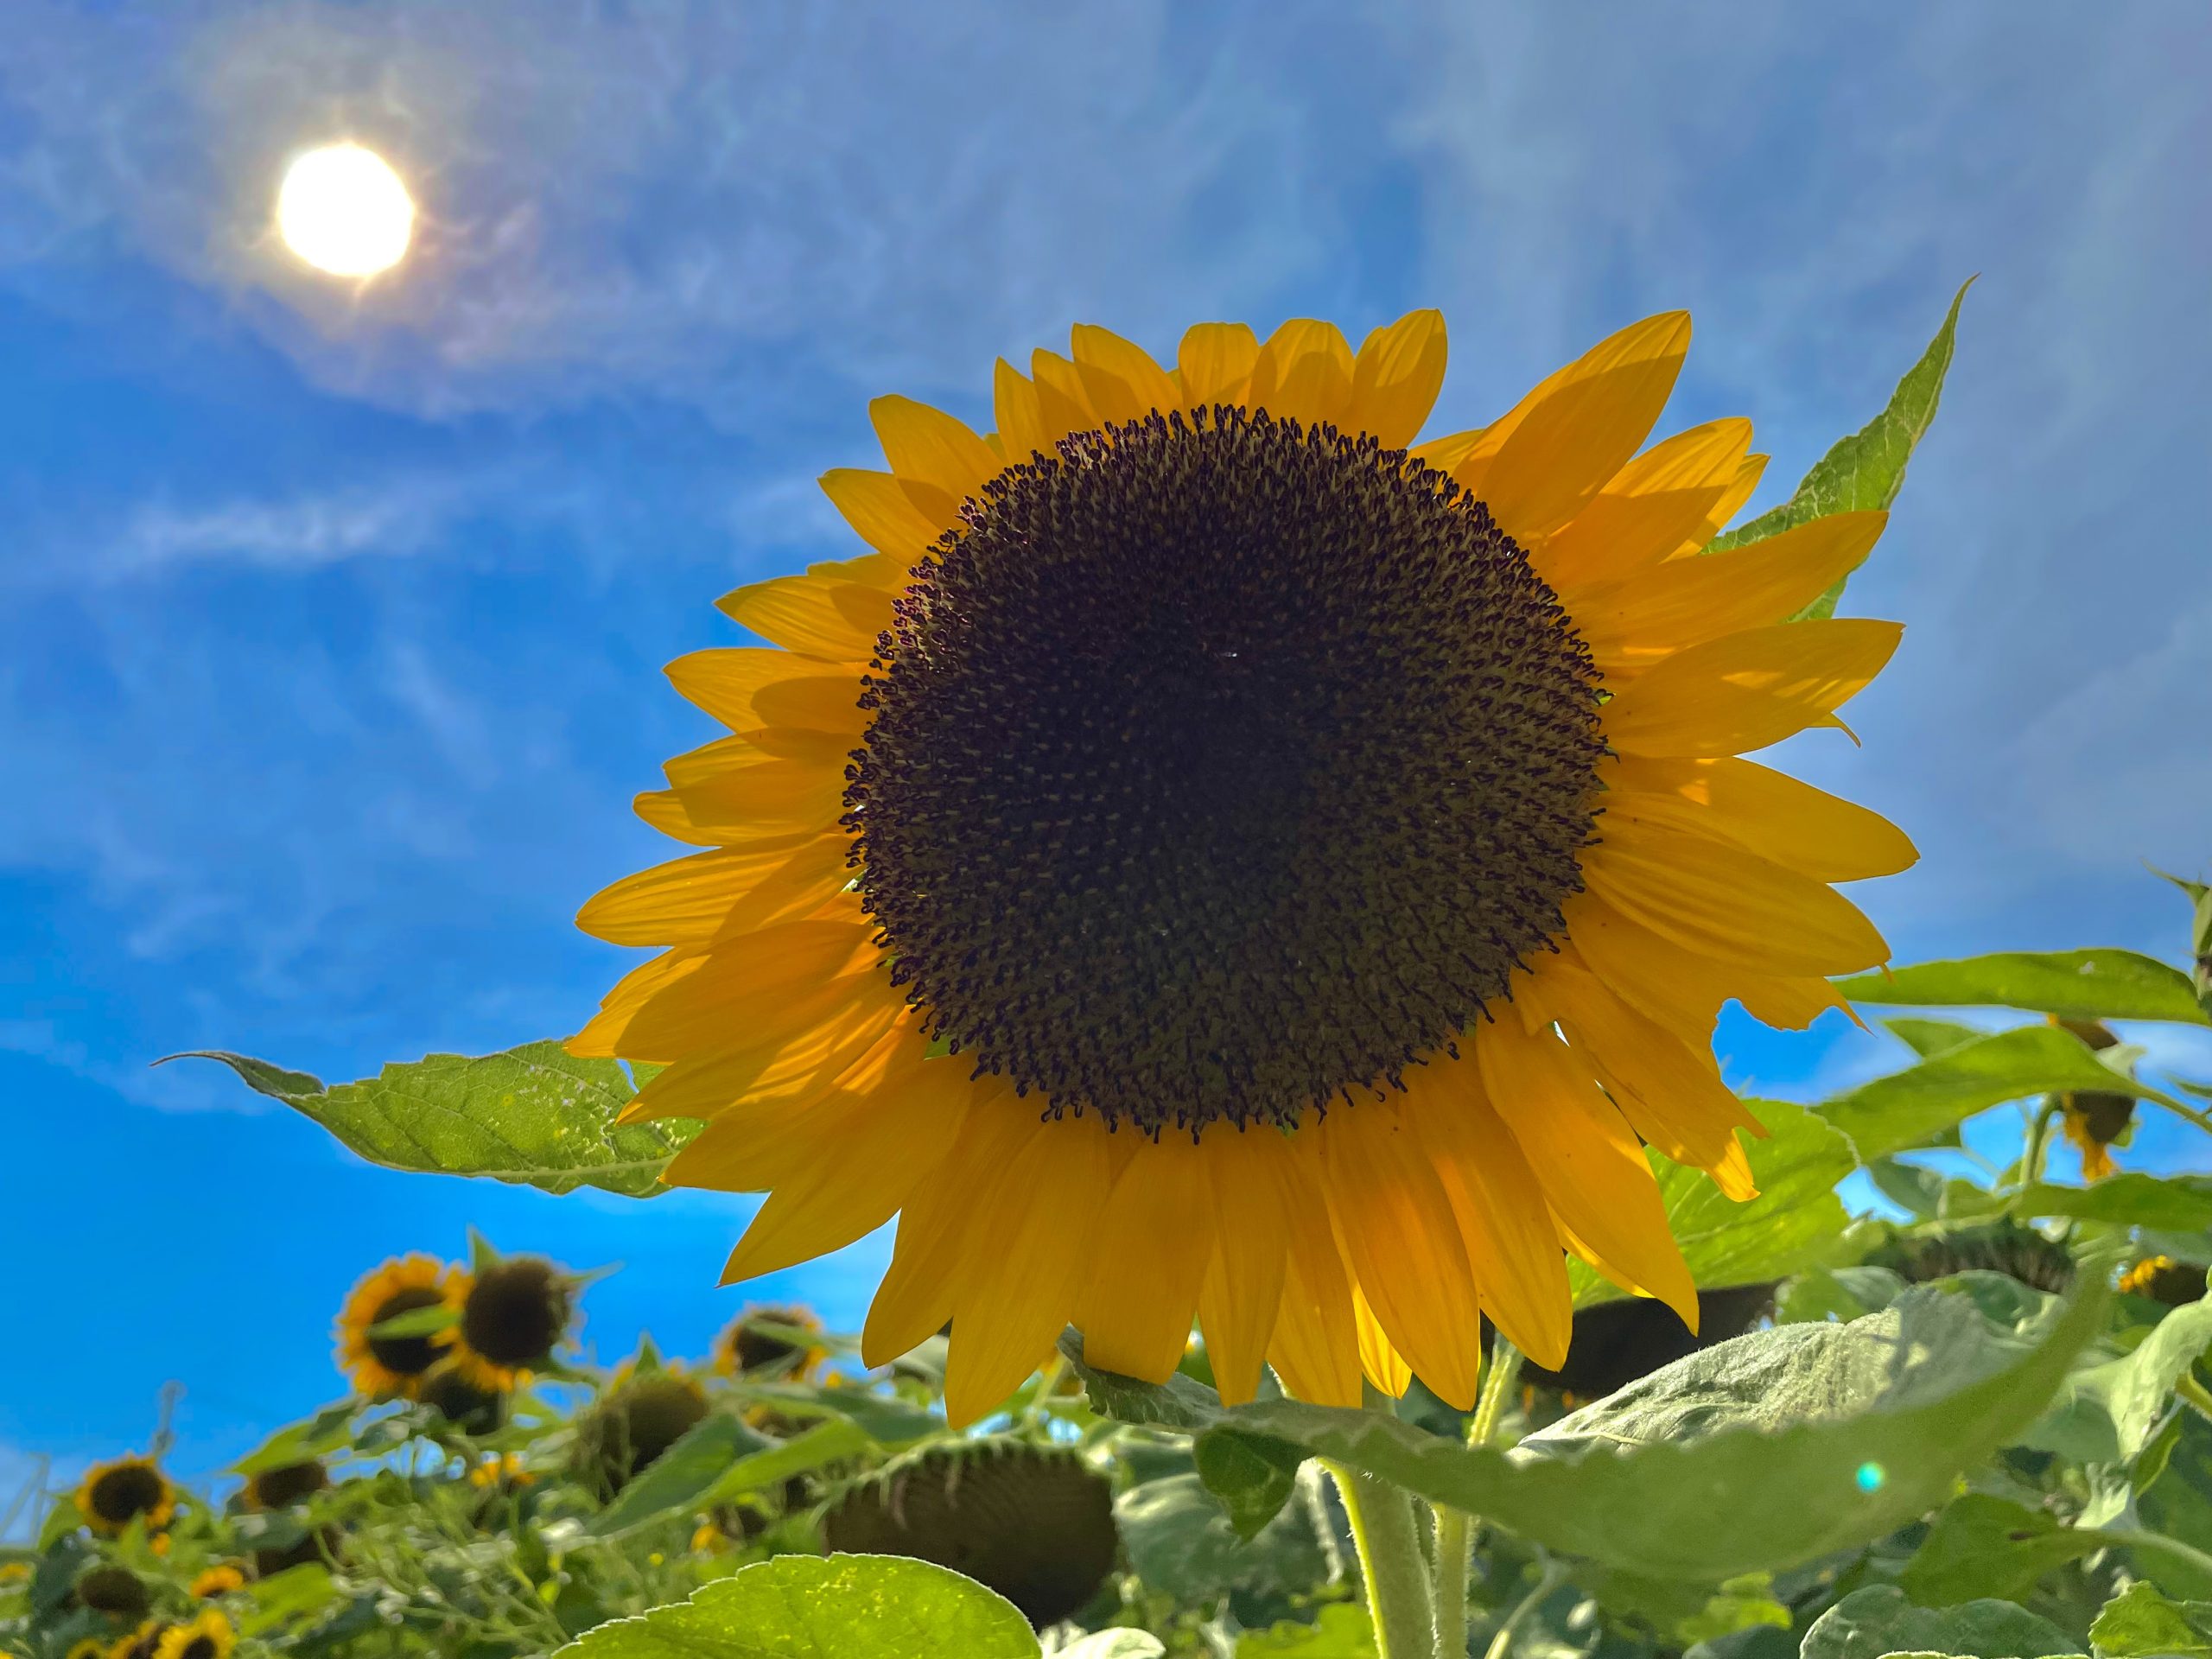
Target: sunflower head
x: 111, y: 1588
x: 2003, y: 1245
x: 514, y: 1313
x: 219, y: 1579
x: 89, y: 1646
x: 394, y: 1364
x: 463, y: 1405
x: 286, y: 1485
x: 113, y: 1495
x: 1208, y: 828
x: 2162, y: 1279
x: 209, y: 1635
x: 144, y: 1642
x: 1618, y: 1342
x: 500, y: 1469
x: 771, y: 1339
x: 1033, y: 1522
x: 643, y: 1412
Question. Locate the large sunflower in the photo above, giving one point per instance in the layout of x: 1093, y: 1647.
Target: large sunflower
x: 396, y: 1365
x: 112, y: 1495
x: 1325, y: 861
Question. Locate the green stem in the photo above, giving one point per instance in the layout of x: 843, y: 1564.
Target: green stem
x: 1502, y: 1644
x: 2195, y: 1392
x: 2190, y: 1112
x: 1455, y: 1529
x: 2038, y: 1137
x: 1392, y: 1565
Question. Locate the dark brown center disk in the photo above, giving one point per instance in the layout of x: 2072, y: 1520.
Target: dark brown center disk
x: 404, y: 1356
x: 1219, y: 768
x: 517, y: 1311
x: 124, y: 1493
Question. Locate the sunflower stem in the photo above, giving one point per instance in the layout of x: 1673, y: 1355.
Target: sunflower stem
x: 1502, y: 1644
x: 1455, y: 1529
x: 1393, y: 1566
x: 2038, y: 1138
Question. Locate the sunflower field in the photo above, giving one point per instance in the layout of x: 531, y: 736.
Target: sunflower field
x: 1250, y: 890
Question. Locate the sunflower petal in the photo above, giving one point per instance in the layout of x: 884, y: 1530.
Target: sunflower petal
x: 1315, y: 1347
x: 1304, y: 373
x: 1654, y: 505
x: 1380, y: 1364
x: 1151, y: 1247
x: 833, y: 621
x: 1772, y: 814
x: 689, y: 900
x: 939, y: 460
x: 1745, y: 691
x: 1216, y: 362
x: 881, y: 512
x: 1122, y: 381
x: 1251, y: 1193
x: 1396, y: 377
x: 1061, y: 398
x: 1020, y: 414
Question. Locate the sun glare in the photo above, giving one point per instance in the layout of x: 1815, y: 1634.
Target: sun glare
x: 343, y: 211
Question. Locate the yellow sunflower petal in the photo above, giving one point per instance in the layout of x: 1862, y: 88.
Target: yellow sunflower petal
x: 1724, y: 902
x: 1681, y: 989
x: 1020, y: 413
x: 1748, y: 690
x: 1151, y: 1247
x: 940, y: 460
x: 1402, y: 1242
x: 1216, y: 362
x: 689, y: 901
x: 1592, y: 1167
x: 1061, y: 399
x: 792, y: 960
x: 1304, y: 373
x: 880, y: 511
x: 1772, y: 814
x: 722, y: 681
x: 1580, y: 431
x: 1749, y: 471
x: 1122, y: 380
x: 834, y: 621
x: 1667, y: 495
x: 1792, y: 1004
x: 1315, y: 1347
x: 1251, y: 1189
x: 1380, y: 1364
x: 766, y: 799
x: 1396, y: 376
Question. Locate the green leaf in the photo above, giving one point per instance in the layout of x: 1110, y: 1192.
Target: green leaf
x: 2140, y: 1624
x: 889, y: 1421
x: 290, y: 1597
x: 2200, y: 938
x: 2177, y: 1503
x: 805, y: 1607
x: 1916, y: 1190
x: 418, y: 1321
x: 1844, y: 1293
x: 2177, y: 1202
x: 1755, y: 1454
x: 1869, y: 1623
x: 1988, y: 1546
x: 1928, y: 1037
x: 1907, y: 1109
x: 1793, y: 1224
x: 1341, y: 1632
x: 2141, y: 1390
x: 1180, y: 1541
x: 680, y: 1477
x: 325, y: 1431
x: 535, y: 1115
x: 1864, y: 472
x: 825, y: 1443
x: 2073, y: 984
x: 1252, y: 1478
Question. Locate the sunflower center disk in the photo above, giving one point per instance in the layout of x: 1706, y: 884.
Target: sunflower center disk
x: 1219, y: 768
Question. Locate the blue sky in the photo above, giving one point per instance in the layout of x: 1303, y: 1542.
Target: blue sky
x: 332, y: 618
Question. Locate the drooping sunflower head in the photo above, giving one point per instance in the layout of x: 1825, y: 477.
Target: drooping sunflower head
x: 209, y: 1635
x: 395, y: 1365
x: 286, y: 1485
x: 771, y: 1338
x: 1211, y: 859
x: 466, y: 1407
x: 111, y: 1588
x: 1617, y: 1343
x: 2095, y: 1120
x: 514, y: 1313
x: 641, y: 1414
x: 2162, y: 1279
x: 2003, y: 1245
x: 113, y: 1495
x: 219, y: 1579
x: 1035, y: 1523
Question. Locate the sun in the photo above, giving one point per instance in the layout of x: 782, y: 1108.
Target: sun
x: 343, y: 210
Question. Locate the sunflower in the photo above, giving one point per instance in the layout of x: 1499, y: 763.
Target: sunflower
x: 111, y: 1588
x: 394, y: 1365
x: 286, y: 1485
x: 143, y: 1642
x: 513, y: 1314
x: 2003, y: 1245
x: 2162, y: 1279
x: 88, y: 1647
x: 207, y: 1636
x: 1326, y: 860
x: 758, y: 1340
x: 113, y: 1495
x: 219, y: 1580
x: 459, y: 1402
x: 1035, y: 1523
x: 642, y: 1414
x: 500, y: 1469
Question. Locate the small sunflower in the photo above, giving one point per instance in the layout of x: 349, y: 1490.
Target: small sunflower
x: 2164, y: 1280
x: 143, y: 1642
x: 2096, y: 1120
x: 209, y: 1635
x: 459, y: 1402
x: 219, y: 1579
x: 758, y: 1340
x: 394, y: 1365
x: 513, y: 1314
x: 641, y: 1414
x: 88, y: 1647
x: 115, y: 1590
x: 1033, y: 1522
x: 500, y: 1469
x: 1325, y: 858
x: 281, y: 1487
x: 113, y: 1495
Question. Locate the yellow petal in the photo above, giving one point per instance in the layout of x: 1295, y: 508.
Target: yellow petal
x: 1772, y: 814
x: 1215, y: 363
x: 1746, y: 690
x: 1681, y: 989
x: 732, y: 985
x: 1402, y: 1242
x: 1453, y: 453
x: 1396, y: 377
x: 1728, y: 904
x: 722, y: 681
x: 1380, y: 1364
x: 1663, y: 499
x: 1512, y: 1248
x: 1250, y: 1188
x: 1030, y: 1227
x: 1593, y: 1168
x: 940, y: 460
x: 1304, y: 373
x: 1631, y: 624
x: 879, y: 509
x: 1149, y: 1251
x: 773, y: 798
x: 1574, y: 437
x: 600, y: 1038
x: 1021, y: 414
x: 689, y: 901
x: 1791, y: 1004
x: 1315, y: 1348
x: 1122, y: 380
x: 1741, y: 489
x: 833, y: 621
x: 1065, y: 405
x: 817, y: 702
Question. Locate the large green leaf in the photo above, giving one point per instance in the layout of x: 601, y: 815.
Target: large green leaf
x: 2140, y: 1624
x: 1864, y: 471
x: 1984, y: 1545
x: 680, y: 1477
x: 1869, y: 1623
x: 2176, y: 1502
x: 1792, y: 1225
x: 2180, y: 1203
x: 1909, y: 1108
x: 535, y: 1115
x: 1180, y: 1541
x: 1341, y: 1632
x: 2073, y: 984
x: 805, y: 1607
x: 1756, y: 1454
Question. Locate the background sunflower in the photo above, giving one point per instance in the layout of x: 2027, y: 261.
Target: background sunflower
x: 396, y: 1365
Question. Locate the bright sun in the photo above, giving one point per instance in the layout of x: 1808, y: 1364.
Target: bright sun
x: 343, y: 210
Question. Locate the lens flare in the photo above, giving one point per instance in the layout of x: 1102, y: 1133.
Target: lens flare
x: 343, y: 211
x: 1872, y: 1476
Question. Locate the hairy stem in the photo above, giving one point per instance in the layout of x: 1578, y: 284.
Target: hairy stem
x: 1392, y: 1565
x: 1455, y: 1529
